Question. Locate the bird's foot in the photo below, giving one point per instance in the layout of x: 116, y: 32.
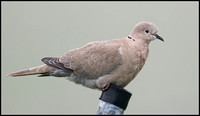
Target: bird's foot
x: 106, y: 87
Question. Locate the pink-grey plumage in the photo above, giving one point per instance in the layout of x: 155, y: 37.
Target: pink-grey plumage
x: 100, y: 63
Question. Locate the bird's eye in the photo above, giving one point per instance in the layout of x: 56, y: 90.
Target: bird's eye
x: 147, y: 31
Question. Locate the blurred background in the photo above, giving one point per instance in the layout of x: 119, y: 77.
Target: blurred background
x: 167, y: 84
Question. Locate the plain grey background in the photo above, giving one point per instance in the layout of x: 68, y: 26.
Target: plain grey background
x: 167, y: 84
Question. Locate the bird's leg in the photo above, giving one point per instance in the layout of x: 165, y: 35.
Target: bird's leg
x: 106, y: 87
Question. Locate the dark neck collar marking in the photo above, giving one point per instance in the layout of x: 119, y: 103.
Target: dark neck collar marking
x: 131, y: 38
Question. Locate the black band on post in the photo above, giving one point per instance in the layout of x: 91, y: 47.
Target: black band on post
x: 116, y: 96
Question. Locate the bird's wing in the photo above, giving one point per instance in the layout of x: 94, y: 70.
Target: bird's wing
x: 54, y: 62
x: 94, y: 59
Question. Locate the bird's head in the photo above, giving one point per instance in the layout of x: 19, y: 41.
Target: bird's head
x: 146, y: 31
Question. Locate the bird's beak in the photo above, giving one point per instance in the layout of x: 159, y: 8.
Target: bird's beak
x: 158, y: 37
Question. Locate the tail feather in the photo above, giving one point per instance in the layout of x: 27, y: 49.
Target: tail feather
x: 36, y: 70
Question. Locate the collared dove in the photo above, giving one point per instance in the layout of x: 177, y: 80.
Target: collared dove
x: 98, y: 64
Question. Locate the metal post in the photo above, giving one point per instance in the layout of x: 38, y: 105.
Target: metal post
x: 113, y: 101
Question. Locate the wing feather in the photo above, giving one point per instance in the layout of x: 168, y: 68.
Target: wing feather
x: 54, y: 62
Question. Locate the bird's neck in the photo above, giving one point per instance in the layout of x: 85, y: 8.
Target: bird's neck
x: 140, y: 45
x: 139, y: 37
x: 143, y: 48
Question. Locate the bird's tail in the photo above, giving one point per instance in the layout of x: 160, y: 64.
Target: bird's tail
x: 31, y: 71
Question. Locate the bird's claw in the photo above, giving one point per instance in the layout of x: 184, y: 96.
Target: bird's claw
x: 106, y: 87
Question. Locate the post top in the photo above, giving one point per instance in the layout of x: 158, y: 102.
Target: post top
x: 116, y: 96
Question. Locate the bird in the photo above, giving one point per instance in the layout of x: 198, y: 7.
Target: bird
x: 98, y: 64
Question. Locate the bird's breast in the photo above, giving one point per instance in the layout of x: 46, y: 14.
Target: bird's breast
x: 134, y: 60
